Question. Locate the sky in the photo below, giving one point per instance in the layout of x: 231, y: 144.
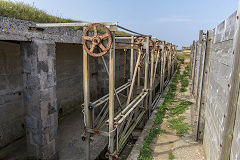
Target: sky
x: 176, y: 21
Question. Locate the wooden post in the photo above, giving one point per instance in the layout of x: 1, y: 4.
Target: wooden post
x: 233, y: 96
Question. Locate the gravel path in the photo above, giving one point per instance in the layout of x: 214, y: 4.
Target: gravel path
x: 183, y: 148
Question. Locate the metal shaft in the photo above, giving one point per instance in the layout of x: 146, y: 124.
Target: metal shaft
x: 86, y: 101
x: 111, y: 95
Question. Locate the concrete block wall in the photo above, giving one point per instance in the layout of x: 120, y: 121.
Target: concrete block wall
x: 68, y: 89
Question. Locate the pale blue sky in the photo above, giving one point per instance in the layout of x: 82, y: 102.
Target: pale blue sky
x: 176, y: 21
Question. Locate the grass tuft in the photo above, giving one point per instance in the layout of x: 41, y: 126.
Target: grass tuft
x: 179, y: 109
x: 179, y: 125
x: 171, y: 156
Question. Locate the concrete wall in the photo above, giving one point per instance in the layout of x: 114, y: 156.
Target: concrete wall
x: 69, y: 84
x: 217, y: 91
x: 221, y: 63
x: 11, y: 99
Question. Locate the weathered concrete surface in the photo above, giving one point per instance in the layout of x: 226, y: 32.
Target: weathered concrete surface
x: 11, y: 99
x: 18, y: 30
x: 221, y: 62
x: 69, y: 144
x: 235, y: 151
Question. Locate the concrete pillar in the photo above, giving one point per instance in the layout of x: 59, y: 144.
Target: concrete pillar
x: 40, y: 102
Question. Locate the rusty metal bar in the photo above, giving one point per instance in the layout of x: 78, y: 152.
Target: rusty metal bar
x: 95, y: 131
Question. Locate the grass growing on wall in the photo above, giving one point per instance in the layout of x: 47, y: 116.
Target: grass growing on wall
x: 20, y: 10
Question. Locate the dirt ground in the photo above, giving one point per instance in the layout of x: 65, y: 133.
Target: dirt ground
x: 182, y: 148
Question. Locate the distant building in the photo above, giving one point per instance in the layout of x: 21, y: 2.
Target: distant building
x: 186, y: 48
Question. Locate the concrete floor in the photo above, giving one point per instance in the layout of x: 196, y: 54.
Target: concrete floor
x: 69, y: 142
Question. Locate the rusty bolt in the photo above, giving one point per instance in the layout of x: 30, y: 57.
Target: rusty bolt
x: 91, y: 139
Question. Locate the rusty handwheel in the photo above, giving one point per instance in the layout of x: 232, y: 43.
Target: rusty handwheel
x: 96, y: 41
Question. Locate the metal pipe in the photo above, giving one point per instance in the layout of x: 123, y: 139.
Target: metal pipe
x: 155, y: 70
x: 106, y: 97
x: 119, y: 102
x: 146, y: 72
x: 151, y: 81
x: 131, y: 60
x: 128, y: 107
x: 80, y: 24
x: 129, y: 43
x: 139, y: 73
x: 111, y: 96
x: 123, y: 140
x: 146, y: 65
x: 86, y: 100
x: 133, y: 107
x: 134, y: 77
x: 133, y: 31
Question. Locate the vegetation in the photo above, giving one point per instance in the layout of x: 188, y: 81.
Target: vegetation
x: 179, y: 125
x: 171, y: 156
x: 146, y: 151
x: 172, y: 109
x: 180, y: 108
x: 20, y: 10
